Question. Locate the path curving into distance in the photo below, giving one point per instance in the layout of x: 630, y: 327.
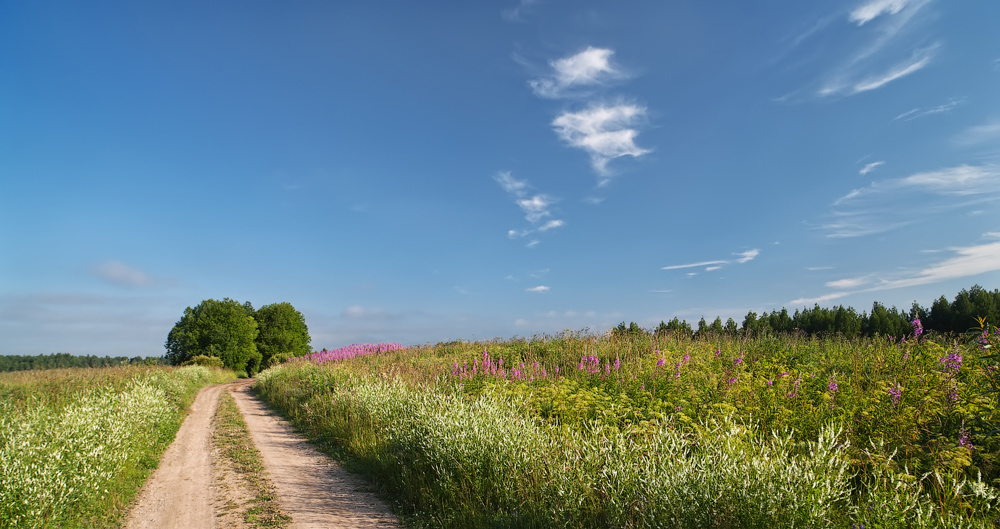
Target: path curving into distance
x: 310, y: 486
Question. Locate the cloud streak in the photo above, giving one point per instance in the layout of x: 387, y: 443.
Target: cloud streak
x: 121, y: 274
x: 742, y: 257
x: 968, y: 261
x: 889, y: 204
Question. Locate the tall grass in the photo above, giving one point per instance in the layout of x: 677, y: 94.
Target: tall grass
x: 585, y: 431
x: 77, y: 444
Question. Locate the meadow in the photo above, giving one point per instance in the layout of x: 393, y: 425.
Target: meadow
x: 663, y: 430
x: 77, y: 444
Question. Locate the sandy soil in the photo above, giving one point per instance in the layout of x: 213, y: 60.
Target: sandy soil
x: 311, y: 487
x: 178, y: 494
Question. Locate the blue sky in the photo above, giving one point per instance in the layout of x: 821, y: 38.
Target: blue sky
x: 426, y: 171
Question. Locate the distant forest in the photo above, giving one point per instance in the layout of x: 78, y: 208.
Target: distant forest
x: 61, y: 360
x: 943, y: 317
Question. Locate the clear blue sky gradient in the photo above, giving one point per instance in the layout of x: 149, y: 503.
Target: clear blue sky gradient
x: 427, y: 171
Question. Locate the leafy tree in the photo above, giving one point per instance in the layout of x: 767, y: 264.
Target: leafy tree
x: 283, y: 331
x: 731, y: 328
x: 223, y: 329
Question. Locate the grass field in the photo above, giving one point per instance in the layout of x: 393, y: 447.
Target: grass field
x: 578, y: 430
x: 77, y: 444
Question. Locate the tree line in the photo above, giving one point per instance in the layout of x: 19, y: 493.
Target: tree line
x: 943, y: 317
x: 64, y: 360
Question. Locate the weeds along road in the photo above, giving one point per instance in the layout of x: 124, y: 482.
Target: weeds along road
x: 311, y: 488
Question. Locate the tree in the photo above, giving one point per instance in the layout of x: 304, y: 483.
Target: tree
x: 283, y: 331
x: 223, y: 329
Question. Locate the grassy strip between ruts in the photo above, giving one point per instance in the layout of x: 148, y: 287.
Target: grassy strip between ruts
x: 232, y: 439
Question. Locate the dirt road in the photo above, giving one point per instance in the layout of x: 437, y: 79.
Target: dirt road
x: 312, y: 488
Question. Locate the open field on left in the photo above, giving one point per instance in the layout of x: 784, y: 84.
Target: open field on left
x: 76, y: 445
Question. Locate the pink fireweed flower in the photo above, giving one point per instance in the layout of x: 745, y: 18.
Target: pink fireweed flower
x: 770, y: 382
x: 832, y: 385
x: 738, y: 361
x: 918, y: 329
x: 718, y: 352
x: 952, y: 363
x: 896, y: 394
x: 687, y: 358
x: 660, y: 362
x: 618, y: 363
x: 731, y: 381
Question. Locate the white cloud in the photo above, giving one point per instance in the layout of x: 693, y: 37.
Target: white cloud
x: 121, y: 274
x: 870, y: 167
x: 896, y: 72
x: 917, y: 113
x: 871, y: 10
x: 604, y: 132
x: 539, y: 289
x: 535, y: 207
x: 710, y: 266
x: 510, y: 184
x: 889, y: 204
x: 533, y: 243
x: 551, y: 225
x: 816, y: 268
x: 820, y: 299
x: 853, y: 282
x: 992, y: 235
x: 693, y: 265
x: 969, y: 261
x: 591, y: 67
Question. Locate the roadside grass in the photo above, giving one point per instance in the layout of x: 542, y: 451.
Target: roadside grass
x: 76, y: 445
x: 232, y: 438
x: 581, y: 431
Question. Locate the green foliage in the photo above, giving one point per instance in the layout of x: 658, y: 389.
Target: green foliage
x: 224, y: 329
x: 202, y: 360
x: 282, y: 331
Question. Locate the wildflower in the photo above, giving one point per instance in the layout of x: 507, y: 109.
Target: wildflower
x: 770, y: 382
x: 687, y: 358
x: 718, y: 352
x: 738, y: 361
x: 964, y: 440
x: 832, y: 385
x: 953, y: 396
x: 952, y: 362
x: 617, y: 364
x: 660, y: 362
x: 896, y: 394
x: 918, y: 329
x: 731, y: 381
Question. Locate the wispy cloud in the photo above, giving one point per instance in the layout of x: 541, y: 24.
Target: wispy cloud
x: 514, y: 14
x: 992, y: 235
x: 588, y: 69
x: 605, y: 132
x: 882, y: 45
x: 535, y: 207
x: 539, y: 289
x: 741, y: 257
x: 870, y: 167
x: 968, y: 261
x: 820, y: 299
x: 901, y: 70
x: 987, y: 132
x: 694, y: 265
x: 871, y: 10
x: 918, y: 113
x: 121, y: 274
x: 889, y: 204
